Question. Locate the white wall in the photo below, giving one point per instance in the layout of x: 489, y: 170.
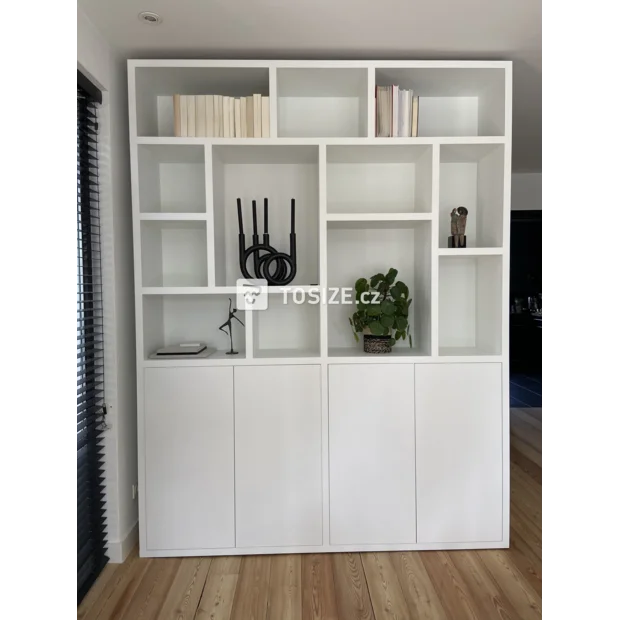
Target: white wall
x: 97, y: 61
x: 526, y: 191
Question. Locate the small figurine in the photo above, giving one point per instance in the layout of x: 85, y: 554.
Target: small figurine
x: 460, y: 226
x: 228, y: 323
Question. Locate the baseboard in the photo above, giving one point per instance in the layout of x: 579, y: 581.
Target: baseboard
x: 118, y: 551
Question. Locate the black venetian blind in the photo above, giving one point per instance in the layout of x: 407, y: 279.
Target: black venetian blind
x: 91, y: 556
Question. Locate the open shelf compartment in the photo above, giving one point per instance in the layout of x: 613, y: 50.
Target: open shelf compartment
x: 172, y: 179
x: 354, y: 252
x: 278, y: 173
x: 322, y: 102
x: 472, y: 175
x: 156, y: 86
x: 470, y: 305
x: 174, y: 253
x: 176, y: 319
x: 381, y: 179
x: 287, y: 329
x: 453, y: 101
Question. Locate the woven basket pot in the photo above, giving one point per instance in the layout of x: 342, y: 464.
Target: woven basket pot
x: 377, y: 344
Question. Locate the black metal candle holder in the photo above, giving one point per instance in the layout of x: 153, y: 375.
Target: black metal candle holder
x: 284, y: 265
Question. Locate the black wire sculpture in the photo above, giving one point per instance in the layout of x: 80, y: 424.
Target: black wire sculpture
x: 231, y: 315
x: 277, y: 268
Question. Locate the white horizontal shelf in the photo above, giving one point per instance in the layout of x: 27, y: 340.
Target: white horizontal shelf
x: 311, y: 354
x: 470, y: 251
x: 378, y: 217
x: 466, y: 352
x: 171, y: 216
x: 168, y: 140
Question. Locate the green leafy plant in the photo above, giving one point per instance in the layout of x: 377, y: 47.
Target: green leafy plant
x: 382, y: 307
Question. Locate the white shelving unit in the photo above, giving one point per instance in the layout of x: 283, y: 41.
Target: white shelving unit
x: 301, y: 395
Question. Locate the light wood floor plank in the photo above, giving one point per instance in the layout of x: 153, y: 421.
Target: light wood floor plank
x: 154, y: 585
x: 526, y: 561
x: 528, y: 451
x: 352, y: 596
x: 184, y: 595
x: 417, y: 586
x: 106, y: 582
x: 528, y: 418
x: 486, y: 597
x: 386, y: 594
x: 285, y: 588
x: 250, y: 602
x: 449, y: 584
x: 318, y: 595
x: 520, y: 593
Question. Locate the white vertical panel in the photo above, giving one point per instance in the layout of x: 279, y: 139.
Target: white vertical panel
x: 278, y: 456
x: 188, y: 417
x: 459, y: 452
x: 372, y: 454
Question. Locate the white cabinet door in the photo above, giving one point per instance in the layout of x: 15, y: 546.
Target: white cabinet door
x: 459, y: 452
x: 371, y: 454
x: 279, y: 495
x: 189, y: 454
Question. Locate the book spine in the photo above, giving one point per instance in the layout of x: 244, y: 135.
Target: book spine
x: 250, y: 116
x: 394, y: 127
x: 201, y: 116
x: 244, y: 117
x: 257, y: 116
x: 238, y: 118
x: 415, y: 111
x: 226, y: 116
x: 191, y: 116
x: 265, y: 129
x: 176, y: 102
x: 231, y: 116
x: 183, y: 106
x: 209, y: 116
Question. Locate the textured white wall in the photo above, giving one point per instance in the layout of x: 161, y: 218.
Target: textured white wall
x: 109, y: 72
x: 526, y: 191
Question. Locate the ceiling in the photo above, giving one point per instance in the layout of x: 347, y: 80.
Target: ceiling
x: 345, y: 29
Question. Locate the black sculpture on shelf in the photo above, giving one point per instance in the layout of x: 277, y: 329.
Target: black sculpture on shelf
x: 458, y: 221
x: 228, y: 323
x: 284, y: 265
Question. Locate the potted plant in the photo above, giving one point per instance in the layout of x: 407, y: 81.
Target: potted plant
x: 382, y: 312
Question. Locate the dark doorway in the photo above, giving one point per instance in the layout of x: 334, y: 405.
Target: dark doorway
x: 526, y: 308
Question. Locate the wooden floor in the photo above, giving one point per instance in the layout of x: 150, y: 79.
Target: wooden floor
x: 455, y: 585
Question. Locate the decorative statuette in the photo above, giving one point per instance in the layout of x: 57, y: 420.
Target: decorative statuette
x: 228, y: 324
x: 458, y: 222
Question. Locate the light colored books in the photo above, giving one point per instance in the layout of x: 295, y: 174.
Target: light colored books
x: 250, y: 115
x: 237, y: 118
x: 210, y: 126
x: 176, y: 103
x: 201, y: 116
x: 244, y: 117
x: 415, y: 105
x: 226, y: 116
x: 183, y: 106
x: 257, y: 116
x: 265, y: 116
x: 396, y: 112
x: 191, y: 116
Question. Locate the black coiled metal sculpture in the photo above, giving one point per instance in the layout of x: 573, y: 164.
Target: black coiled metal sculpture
x: 278, y: 268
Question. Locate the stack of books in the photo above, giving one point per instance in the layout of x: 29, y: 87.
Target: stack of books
x: 396, y: 112
x: 218, y: 116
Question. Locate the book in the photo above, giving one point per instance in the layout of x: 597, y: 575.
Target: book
x: 250, y: 116
x: 238, y: 118
x: 244, y: 117
x: 191, y: 116
x: 402, y: 112
x: 415, y: 110
x: 231, y: 116
x: 257, y: 116
x: 394, y: 127
x: 226, y: 116
x: 217, y: 116
x: 183, y: 106
x: 265, y: 112
x: 209, y: 117
x: 176, y: 104
x: 384, y: 110
x: 201, y: 116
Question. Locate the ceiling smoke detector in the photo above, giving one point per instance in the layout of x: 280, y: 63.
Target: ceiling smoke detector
x: 150, y: 18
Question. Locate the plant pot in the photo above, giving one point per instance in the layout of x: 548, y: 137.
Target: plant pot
x: 377, y: 344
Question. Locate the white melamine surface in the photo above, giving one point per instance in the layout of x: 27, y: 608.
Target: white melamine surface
x: 372, y: 454
x: 459, y: 452
x: 172, y: 179
x: 189, y: 458
x: 278, y: 476
x: 322, y: 429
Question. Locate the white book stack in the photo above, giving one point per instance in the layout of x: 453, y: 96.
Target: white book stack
x: 396, y: 112
x: 221, y: 116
